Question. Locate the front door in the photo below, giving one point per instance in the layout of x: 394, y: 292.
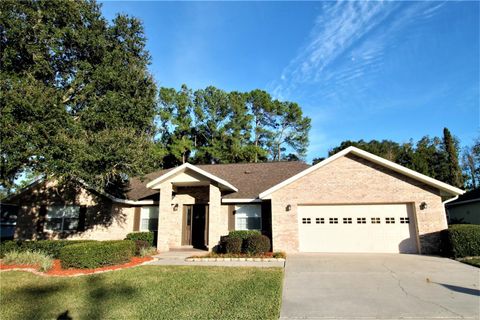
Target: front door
x: 198, y: 226
x: 194, y: 226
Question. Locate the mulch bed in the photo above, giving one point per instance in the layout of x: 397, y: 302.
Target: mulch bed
x: 58, y: 271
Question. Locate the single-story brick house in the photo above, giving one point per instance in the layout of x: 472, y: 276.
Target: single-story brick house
x: 353, y: 201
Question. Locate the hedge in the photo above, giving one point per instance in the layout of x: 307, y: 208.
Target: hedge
x: 233, y: 245
x: 49, y: 247
x: 243, y: 234
x: 461, y: 240
x: 92, y: 255
x: 144, y: 236
x: 257, y: 244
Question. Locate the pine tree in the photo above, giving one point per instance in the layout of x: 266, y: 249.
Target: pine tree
x: 454, y: 173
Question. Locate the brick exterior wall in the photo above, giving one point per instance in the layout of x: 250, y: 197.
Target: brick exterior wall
x: 353, y: 180
x: 217, y: 223
x: 104, y: 220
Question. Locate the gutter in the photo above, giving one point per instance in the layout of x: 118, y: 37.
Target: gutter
x: 450, y: 200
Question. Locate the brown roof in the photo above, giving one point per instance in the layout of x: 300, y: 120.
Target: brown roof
x: 249, y: 178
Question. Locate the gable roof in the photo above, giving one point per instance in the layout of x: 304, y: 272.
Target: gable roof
x: 375, y: 159
x: 182, y: 168
x: 250, y: 179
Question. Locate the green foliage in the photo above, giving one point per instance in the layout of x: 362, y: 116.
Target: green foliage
x: 37, y: 258
x: 255, y: 244
x: 147, y: 251
x: 454, y: 173
x: 233, y: 245
x: 92, y: 255
x: 140, y: 247
x: 49, y: 247
x: 243, y: 234
x: 77, y: 99
x: 461, y: 240
x: 213, y: 126
x: 147, y: 236
x: 471, y: 165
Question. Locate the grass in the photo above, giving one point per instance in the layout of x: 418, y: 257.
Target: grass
x: 147, y: 292
x: 473, y: 261
x: 242, y: 255
x: 40, y: 259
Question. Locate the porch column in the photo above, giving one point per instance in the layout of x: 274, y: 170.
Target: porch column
x: 214, y: 222
x: 164, y: 217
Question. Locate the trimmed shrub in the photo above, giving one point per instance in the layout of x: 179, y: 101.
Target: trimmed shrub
x: 49, y: 247
x: 140, y: 245
x: 257, y: 244
x: 92, y: 255
x: 243, y: 234
x: 38, y: 258
x: 144, y: 236
x: 461, y: 240
x: 233, y: 245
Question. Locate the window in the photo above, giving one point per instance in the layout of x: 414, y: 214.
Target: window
x: 306, y: 220
x: 361, y: 220
x: 390, y: 220
x: 248, y: 217
x: 320, y: 220
x: 375, y: 220
x: 149, y: 218
x: 333, y: 220
x: 62, y: 218
x: 404, y: 220
x: 347, y: 220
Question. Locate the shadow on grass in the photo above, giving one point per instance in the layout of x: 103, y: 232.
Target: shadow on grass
x: 473, y: 292
x: 90, y: 298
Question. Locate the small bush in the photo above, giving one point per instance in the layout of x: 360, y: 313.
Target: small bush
x: 233, y: 245
x: 461, y: 240
x: 279, y: 254
x: 7, y: 246
x: 146, y: 252
x: 92, y: 255
x: 243, y: 234
x: 257, y: 244
x: 144, y: 236
x: 37, y: 258
x: 140, y: 245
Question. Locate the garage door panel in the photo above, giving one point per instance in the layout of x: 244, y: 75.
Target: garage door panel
x: 357, y: 228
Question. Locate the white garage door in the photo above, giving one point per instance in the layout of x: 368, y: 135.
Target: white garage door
x: 357, y: 228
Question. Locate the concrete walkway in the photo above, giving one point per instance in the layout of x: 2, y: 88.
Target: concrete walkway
x: 177, y: 258
x: 379, y: 286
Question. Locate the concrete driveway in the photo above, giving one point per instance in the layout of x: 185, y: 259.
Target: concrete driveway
x: 380, y: 286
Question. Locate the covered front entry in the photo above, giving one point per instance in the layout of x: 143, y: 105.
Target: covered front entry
x: 195, y: 228
x: 386, y: 228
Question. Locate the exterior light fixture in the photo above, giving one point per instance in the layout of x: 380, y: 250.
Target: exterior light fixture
x: 175, y: 207
x: 288, y: 207
x: 423, y: 205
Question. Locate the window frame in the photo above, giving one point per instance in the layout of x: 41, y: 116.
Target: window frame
x: 241, y: 214
x: 143, y: 213
x: 49, y: 216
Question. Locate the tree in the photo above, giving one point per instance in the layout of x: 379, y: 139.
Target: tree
x: 471, y: 165
x: 454, y: 173
x: 72, y: 86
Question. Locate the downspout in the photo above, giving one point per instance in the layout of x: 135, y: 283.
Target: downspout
x: 445, y: 207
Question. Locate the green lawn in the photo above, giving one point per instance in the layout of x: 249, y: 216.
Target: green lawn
x: 147, y: 292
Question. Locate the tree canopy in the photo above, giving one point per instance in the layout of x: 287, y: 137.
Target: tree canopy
x: 76, y: 96
x: 213, y: 126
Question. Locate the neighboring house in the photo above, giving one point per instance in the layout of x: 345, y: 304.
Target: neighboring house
x: 351, y: 202
x: 465, y: 209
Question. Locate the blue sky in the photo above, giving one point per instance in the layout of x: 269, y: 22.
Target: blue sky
x: 360, y: 70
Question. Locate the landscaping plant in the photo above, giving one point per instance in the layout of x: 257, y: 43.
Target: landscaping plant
x: 143, y: 236
x: 461, y: 240
x: 92, y: 255
x: 256, y: 244
x: 37, y: 258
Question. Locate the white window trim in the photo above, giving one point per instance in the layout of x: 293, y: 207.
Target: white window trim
x: 142, y: 211
x: 62, y: 230
x: 257, y: 214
